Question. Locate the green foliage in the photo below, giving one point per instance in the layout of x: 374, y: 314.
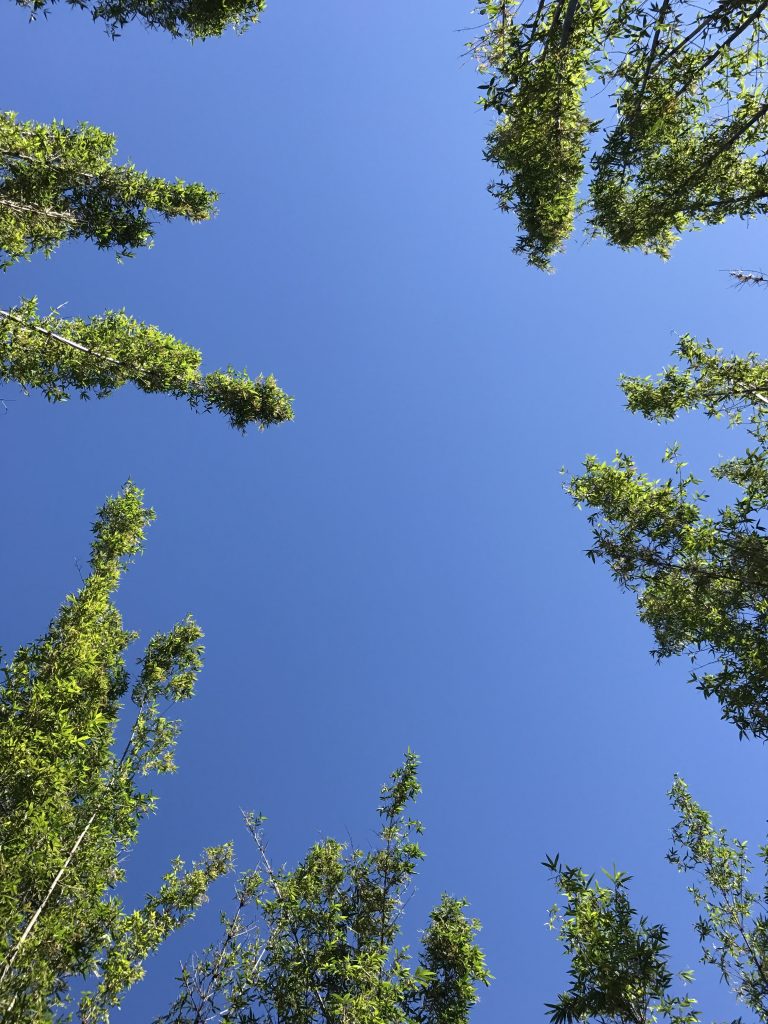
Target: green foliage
x: 58, y: 183
x: 684, y: 143
x: 61, y: 357
x: 539, y: 142
x: 71, y: 804
x: 188, y: 19
x: 619, y: 969
x: 701, y: 577
x: 319, y: 943
x: 733, y: 919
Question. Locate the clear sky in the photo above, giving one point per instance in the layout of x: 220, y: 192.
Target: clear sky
x: 398, y: 567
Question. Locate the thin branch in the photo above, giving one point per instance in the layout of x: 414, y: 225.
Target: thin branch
x: 18, y: 207
x: 726, y: 44
x: 56, y: 337
x: 750, y: 277
x: 567, y: 28
x: 651, y: 55
x: 260, y: 845
x: 728, y: 140
x: 47, y: 162
x: 702, y: 26
x: 16, y: 949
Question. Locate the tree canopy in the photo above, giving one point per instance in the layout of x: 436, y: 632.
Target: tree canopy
x: 188, y: 19
x: 700, y: 575
x: 72, y: 802
x: 620, y: 969
x: 659, y: 103
x: 318, y: 944
x: 683, y: 145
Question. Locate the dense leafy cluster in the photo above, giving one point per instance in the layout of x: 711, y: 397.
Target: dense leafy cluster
x: 701, y: 576
x: 189, y: 19
x: 619, y: 963
x: 685, y: 144
x: 71, y: 803
x: 318, y: 944
x: 539, y: 73
x: 619, y: 971
x: 60, y: 357
x: 58, y: 183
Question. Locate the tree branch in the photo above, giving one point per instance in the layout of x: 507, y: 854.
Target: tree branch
x: 55, y: 337
x: 16, y: 949
x: 18, y: 207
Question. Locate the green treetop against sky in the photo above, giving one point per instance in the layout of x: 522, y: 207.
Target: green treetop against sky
x: 397, y: 568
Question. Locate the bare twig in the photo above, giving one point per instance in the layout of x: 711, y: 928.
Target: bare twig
x: 261, y: 847
x: 744, y: 277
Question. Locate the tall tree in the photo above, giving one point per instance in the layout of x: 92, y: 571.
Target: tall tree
x: 318, y: 944
x: 72, y: 802
x: 620, y: 963
x: 667, y: 96
x: 697, y: 563
x: 59, y: 183
x: 314, y: 944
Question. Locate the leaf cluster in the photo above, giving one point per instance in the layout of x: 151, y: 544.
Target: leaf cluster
x: 318, y: 943
x: 186, y: 19
x: 683, y: 144
x: 539, y: 141
x: 61, y: 357
x: 733, y: 917
x: 59, y: 183
x: 700, y: 576
x: 619, y: 963
x: 56, y: 184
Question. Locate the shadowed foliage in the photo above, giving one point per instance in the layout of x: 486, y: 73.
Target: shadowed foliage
x: 667, y: 96
x: 188, y: 19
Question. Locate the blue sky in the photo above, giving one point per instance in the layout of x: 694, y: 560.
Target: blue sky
x: 399, y: 567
